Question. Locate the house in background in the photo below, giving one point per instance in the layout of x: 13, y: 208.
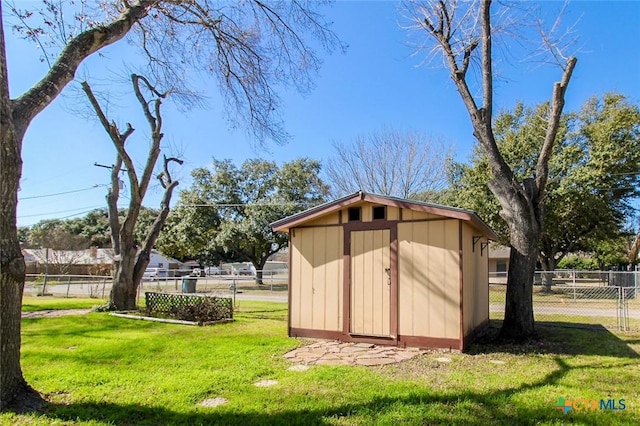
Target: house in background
x: 498, y: 263
x: 385, y: 270
x: 92, y: 261
x: 160, y: 261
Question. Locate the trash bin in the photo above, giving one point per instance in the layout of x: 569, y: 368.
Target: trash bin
x: 189, y: 284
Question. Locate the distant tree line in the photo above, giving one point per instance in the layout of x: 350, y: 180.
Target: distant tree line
x: 79, y: 233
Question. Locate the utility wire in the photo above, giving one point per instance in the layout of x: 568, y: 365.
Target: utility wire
x: 75, y: 214
x: 59, y: 193
x: 61, y: 211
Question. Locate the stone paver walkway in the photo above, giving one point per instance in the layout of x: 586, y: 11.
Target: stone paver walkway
x: 338, y: 353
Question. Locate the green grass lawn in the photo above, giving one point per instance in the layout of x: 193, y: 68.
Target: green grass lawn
x: 97, y: 369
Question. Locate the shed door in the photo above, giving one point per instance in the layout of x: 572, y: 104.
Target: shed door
x: 370, y: 282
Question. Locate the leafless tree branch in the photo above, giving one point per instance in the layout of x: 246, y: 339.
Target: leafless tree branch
x: 389, y: 162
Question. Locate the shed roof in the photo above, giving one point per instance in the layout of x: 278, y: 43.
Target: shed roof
x: 283, y: 225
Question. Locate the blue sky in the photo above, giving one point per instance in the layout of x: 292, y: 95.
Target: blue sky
x: 376, y: 83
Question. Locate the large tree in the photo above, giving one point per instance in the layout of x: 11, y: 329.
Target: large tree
x: 249, y: 198
x: 130, y: 256
x: 249, y: 47
x: 463, y: 33
x: 593, y: 173
x: 390, y: 162
x: 190, y: 231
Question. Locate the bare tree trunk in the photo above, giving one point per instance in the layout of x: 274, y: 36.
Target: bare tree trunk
x: 259, y: 263
x: 260, y: 270
x: 548, y: 263
x: 124, y: 289
x: 518, y: 320
x: 518, y: 314
x: 132, y: 260
x: 15, y: 393
x: 521, y: 202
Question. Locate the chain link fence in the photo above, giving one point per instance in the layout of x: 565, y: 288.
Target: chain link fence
x: 272, y: 286
x: 92, y: 286
x: 606, y: 298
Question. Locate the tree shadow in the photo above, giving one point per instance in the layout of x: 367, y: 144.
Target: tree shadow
x: 419, y: 407
x: 558, y: 338
x: 277, y: 314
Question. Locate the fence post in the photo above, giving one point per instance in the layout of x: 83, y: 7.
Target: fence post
x: 44, y: 284
x: 620, y: 313
x: 235, y: 289
x: 626, y: 314
x: 68, y: 284
x: 104, y: 283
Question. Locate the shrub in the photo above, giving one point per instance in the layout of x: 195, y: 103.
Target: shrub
x: 203, y: 311
x: 578, y: 263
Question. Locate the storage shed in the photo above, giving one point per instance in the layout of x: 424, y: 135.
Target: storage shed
x: 385, y: 270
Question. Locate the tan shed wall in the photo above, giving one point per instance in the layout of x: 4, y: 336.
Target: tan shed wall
x: 367, y: 215
x: 316, y: 281
x: 429, y: 278
x: 393, y: 213
x: 330, y: 219
x: 476, y: 281
x: 408, y: 214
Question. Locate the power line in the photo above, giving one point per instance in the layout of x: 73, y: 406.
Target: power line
x: 69, y: 171
x: 61, y: 211
x: 58, y: 193
x: 76, y: 214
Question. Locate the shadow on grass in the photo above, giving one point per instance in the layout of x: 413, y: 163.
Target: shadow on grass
x: 419, y: 407
x: 558, y: 338
x: 276, y: 314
